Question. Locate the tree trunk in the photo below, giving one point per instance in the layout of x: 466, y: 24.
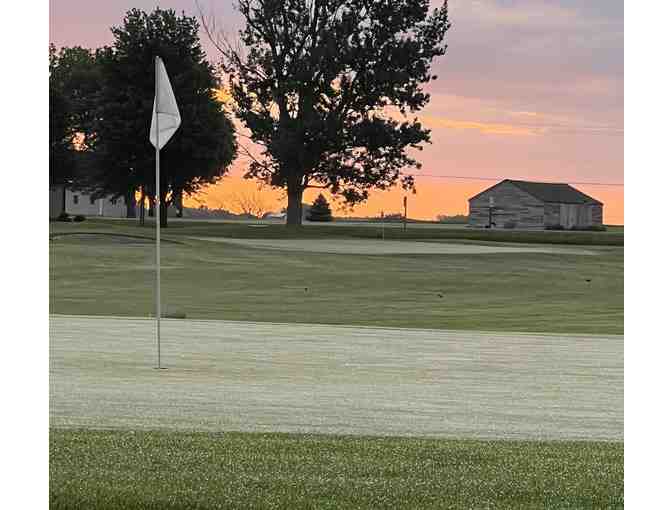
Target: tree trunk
x: 65, y: 196
x: 142, y: 205
x: 177, y: 203
x: 130, y: 203
x: 294, y: 203
x: 164, y: 212
x: 150, y: 207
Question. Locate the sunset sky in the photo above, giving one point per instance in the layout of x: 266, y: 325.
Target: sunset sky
x: 527, y: 90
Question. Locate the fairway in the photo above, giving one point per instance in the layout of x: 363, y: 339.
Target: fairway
x: 328, y: 379
x: 107, y: 268
x: 381, y: 247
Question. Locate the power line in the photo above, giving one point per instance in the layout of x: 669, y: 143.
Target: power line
x: 567, y: 127
x: 483, y: 178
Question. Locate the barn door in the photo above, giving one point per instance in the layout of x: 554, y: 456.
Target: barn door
x: 569, y: 215
x: 585, y: 215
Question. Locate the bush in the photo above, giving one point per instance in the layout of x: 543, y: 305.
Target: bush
x: 590, y: 228
x: 64, y: 217
x: 320, y: 210
x: 576, y: 228
x: 79, y: 218
x: 458, y: 219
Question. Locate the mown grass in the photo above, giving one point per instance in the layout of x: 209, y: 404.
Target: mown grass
x: 537, y: 292
x: 392, y: 231
x: 167, y: 470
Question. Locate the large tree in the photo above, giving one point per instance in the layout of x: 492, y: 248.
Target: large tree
x: 60, y: 139
x: 73, y: 84
x: 73, y: 72
x: 202, y: 149
x: 326, y: 86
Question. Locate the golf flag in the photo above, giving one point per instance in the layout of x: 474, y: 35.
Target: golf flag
x: 165, y: 121
x: 165, y: 109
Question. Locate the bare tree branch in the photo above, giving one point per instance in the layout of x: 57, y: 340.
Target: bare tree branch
x: 253, y: 203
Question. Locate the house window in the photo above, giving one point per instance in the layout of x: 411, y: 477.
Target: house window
x: 75, y: 199
x: 93, y: 200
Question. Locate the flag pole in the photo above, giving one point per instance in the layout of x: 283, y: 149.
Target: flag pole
x: 170, y: 113
x: 157, y: 213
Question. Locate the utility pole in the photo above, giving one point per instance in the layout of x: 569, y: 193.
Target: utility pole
x: 405, y: 211
x: 382, y: 219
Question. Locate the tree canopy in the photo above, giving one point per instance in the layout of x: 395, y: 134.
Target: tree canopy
x: 202, y: 149
x: 60, y: 139
x: 326, y: 88
x: 73, y: 83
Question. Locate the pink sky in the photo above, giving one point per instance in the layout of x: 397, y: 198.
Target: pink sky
x: 527, y: 90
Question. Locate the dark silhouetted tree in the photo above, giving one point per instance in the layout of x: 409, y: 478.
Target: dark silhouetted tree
x: 320, y: 210
x: 61, y: 163
x: 74, y: 73
x: 72, y: 89
x: 326, y: 88
x: 200, y: 151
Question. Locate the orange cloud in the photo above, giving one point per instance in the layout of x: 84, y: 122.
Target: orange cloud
x: 488, y: 128
x: 525, y: 114
x: 484, y: 127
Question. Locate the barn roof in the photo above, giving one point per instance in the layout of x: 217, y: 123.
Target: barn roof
x: 549, y: 192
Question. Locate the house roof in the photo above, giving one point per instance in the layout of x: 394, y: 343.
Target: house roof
x: 549, y: 192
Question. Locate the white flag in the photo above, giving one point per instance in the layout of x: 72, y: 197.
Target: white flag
x: 165, y: 106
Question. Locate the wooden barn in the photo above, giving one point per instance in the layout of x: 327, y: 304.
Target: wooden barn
x: 525, y: 204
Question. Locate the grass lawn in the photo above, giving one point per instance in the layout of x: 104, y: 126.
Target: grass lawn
x: 535, y: 292
x: 168, y: 470
x: 612, y: 237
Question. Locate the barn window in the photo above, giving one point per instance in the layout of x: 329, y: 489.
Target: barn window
x: 75, y: 199
x: 93, y: 200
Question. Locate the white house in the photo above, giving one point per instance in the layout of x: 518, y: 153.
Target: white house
x: 79, y: 203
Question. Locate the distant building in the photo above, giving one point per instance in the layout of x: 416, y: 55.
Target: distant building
x: 62, y: 199
x: 524, y: 204
x: 79, y: 203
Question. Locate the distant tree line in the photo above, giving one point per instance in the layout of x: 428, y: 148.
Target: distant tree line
x: 457, y: 219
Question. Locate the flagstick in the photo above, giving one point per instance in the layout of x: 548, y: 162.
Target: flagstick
x: 157, y: 215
